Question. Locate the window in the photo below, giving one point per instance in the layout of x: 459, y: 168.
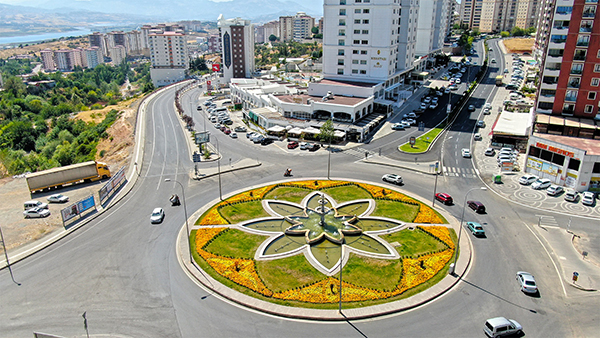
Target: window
x: 340, y: 71
x: 586, y: 26
x: 574, y: 164
x: 577, y: 68
x: 354, y: 62
x: 340, y: 52
x: 571, y: 95
x: 363, y: 62
x: 365, y: 31
x: 340, y: 62
x: 356, y: 42
x: 363, y: 52
x: 589, y: 108
x: 357, y: 1
x: 589, y: 11
x: 591, y: 95
x: 355, y: 51
x: 342, y: 22
x: 354, y: 71
x: 362, y: 71
x: 342, y: 2
x: 596, y: 168
x: 366, y: 11
x: 365, y: 42
x: 357, y: 31
x: 583, y: 40
x: 341, y: 42
x: 342, y: 11
x: 356, y: 21
x: 366, y: 21
x: 597, y: 68
x: 357, y: 10
x: 595, y: 82
x: 342, y: 32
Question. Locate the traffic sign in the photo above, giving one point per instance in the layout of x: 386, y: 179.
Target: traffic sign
x: 196, y: 157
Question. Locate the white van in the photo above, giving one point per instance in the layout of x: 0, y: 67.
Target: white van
x: 220, y: 109
x: 514, y: 96
x: 34, y: 204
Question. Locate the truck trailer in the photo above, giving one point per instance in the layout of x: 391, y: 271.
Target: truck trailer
x: 499, y: 79
x: 70, y: 174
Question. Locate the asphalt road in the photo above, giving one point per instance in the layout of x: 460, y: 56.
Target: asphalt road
x: 123, y: 271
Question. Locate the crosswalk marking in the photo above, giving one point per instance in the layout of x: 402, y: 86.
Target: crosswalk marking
x: 546, y: 221
x: 457, y: 172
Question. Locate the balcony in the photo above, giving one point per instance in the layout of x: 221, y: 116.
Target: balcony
x: 548, y: 86
x: 571, y: 98
x: 579, y: 57
x: 583, y: 43
x: 551, y: 72
x: 589, y: 14
x: 585, y: 29
x: 573, y: 84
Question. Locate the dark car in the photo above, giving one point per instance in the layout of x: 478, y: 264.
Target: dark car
x: 314, y: 147
x: 266, y: 141
x: 477, y: 206
x: 292, y: 145
x: 444, y: 198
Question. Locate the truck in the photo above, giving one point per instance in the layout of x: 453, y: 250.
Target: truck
x: 499, y: 79
x: 70, y: 174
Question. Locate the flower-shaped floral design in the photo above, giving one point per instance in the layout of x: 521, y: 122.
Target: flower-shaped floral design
x: 326, y: 232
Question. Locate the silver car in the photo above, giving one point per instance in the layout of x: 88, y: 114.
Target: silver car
x: 57, y: 198
x: 157, y: 216
x: 526, y: 282
x: 392, y: 178
x: 36, y: 213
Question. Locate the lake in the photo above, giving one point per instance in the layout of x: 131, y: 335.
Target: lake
x: 40, y: 37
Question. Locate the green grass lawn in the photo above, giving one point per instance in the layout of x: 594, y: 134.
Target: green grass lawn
x: 243, y: 211
x: 287, y: 273
x: 347, y: 193
x: 361, y: 271
x: 236, y: 243
x: 290, y: 194
x: 396, y: 210
x: 421, y: 143
x: 414, y: 242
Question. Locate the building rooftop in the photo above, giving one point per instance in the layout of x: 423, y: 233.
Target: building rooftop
x: 303, y: 98
x: 591, y: 147
x: 348, y: 83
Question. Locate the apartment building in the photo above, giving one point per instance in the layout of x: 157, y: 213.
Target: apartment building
x: 431, y: 26
x: 48, y: 60
x: 297, y: 27
x: 263, y: 32
x: 169, y: 57
x: 118, y: 54
x: 93, y: 57
x: 499, y: 15
x: 98, y: 40
x: 214, y: 44
x: 237, y: 44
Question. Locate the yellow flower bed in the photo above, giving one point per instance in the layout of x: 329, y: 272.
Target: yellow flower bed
x: 326, y: 291
x: 203, y: 235
x: 250, y: 195
x: 427, y: 215
x: 213, y: 217
x: 440, y: 232
x: 413, y: 273
x: 319, y: 184
x: 379, y: 192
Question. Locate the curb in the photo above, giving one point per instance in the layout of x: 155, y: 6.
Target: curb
x: 395, y: 165
x: 198, y: 178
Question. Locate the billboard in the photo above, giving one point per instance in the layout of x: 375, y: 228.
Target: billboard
x: 216, y: 67
x: 202, y: 137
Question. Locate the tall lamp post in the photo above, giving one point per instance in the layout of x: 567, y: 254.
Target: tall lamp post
x: 461, y: 226
x: 187, y: 227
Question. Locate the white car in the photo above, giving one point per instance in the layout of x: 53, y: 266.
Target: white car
x: 554, y: 190
x: 500, y: 326
x: 527, y: 179
x: 392, y: 178
x: 303, y: 145
x: 427, y: 100
x: 481, y: 124
x: 477, y: 137
x: 233, y: 135
x: 57, y: 198
x: 36, y: 213
x: 571, y: 195
x: 457, y: 80
x: 541, y: 183
x: 423, y: 106
x: 466, y: 153
x: 435, y: 100
x: 527, y: 282
x: 588, y: 198
x: 489, y: 152
x: 158, y: 214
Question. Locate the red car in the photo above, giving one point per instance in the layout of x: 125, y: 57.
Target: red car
x: 292, y: 145
x: 444, y: 198
x: 227, y: 131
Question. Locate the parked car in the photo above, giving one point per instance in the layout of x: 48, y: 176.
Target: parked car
x: 465, y: 153
x: 293, y: 145
x: 424, y: 106
x: 34, y: 204
x: 444, y: 198
x: 477, y: 137
x: 427, y: 100
x: 233, y: 135
x: 477, y: 206
x: 489, y: 152
x: 481, y: 124
x: 57, y: 198
x: 476, y: 229
x: 527, y: 179
x: 392, y: 178
x: 554, y: 190
x: 588, y: 198
x: 303, y: 145
x: 493, y: 60
x: 500, y: 326
x: 266, y: 141
x: 571, y: 195
x: 240, y: 129
x: 526, y: 282
x: 398, y: 126
x: 36, y: 213
x: 314, y: 147
x: 157, y: 216
x: 541, y: 183
x: 471, y: 107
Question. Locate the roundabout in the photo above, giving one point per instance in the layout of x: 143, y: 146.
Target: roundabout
x: 324, y: 249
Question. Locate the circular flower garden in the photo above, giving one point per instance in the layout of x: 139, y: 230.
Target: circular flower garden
x: 286, y: 243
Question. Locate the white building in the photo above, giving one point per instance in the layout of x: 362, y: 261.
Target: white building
x: 237, y: 44
x: 62, y: 58
x: 169, y: 57
x: 431, y: 26
x: 48, y: 60
x: 118, y: 54
x: 93, y: 57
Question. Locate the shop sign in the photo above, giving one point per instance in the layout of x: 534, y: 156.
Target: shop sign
x: 555, y: 149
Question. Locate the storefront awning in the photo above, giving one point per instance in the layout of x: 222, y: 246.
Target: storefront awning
x: 295, y: 131
x: 339, y: 133
x: 276, y: 129
x: 311, y: 130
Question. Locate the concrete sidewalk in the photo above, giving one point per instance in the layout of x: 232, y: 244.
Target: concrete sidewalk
x: 422, y: 167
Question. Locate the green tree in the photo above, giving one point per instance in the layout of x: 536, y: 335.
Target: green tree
x: 516, y: 31
x: 326, y: 131
x: 504, y: 34
x: 314, y: 30
x: 272, y: 38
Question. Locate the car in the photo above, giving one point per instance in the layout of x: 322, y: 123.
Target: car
x: 477, y: 137
x: 314, y: 147
x: 157, y: 216
x: 34, y: 204
x: 527, y: 179
x: 435, y: 100
x: 489, y: 152
x: 571, y: 195
x: 477, y: 206
x: 500, y: 326
x: 471, y: 107
x: 57, y: 198
x: 233, y: 135
x: 406, y: 124
x: 423, y: 106
x: 293, y: 145
x: 223, y: 128
x: 453, y: 87
x: 554, y: 190
x: 444, y: 198
x: 412, y: 115
x: 36, y: 212
x: 427, y: 100
x: 250, y: 133
x: 257, y: 138
x: 493, y: 60
x: 303, y: 145
x: 527, y: 282
x: 398, y: 126
x: 433, y: 106
x: 465, y: 152
x: 481, y: 124
x: 588, y: 198
x: 541, y: 183
x: 457, y: 80
x: 447, y: 90
x: 476, y: 229
x: 487, y: 106
x: 266, y: 141
x: 501, y: 161
x: 505, y: 70
x: 227, y: 131
x: 392, y: 178
x: 240, y: 129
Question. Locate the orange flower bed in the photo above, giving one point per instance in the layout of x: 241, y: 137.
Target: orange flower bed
x: 255, y: 194
x: 204, y: 235
x: 379, y: 192
x: 440, y: 232
x: 415, y: 273
x: 315, y: 185
x: 326, y: 291
x: 427, y: 215
x: 213, y: 217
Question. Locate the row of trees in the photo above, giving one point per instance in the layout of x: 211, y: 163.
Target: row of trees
x: 36, y: 131
x: 289, y: 49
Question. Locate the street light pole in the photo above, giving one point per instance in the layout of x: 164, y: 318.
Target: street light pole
x: 461, y: 226
x: 219, y: 168
x: 341, y: 265
x: 187, y: 227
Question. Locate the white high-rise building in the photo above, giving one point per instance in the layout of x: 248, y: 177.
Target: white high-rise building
x: 368, y: 41
x: 94, y: 57
x: 118, y: 54
x: 169, y: 57
x: 431, y: 26
x: 237, y: 41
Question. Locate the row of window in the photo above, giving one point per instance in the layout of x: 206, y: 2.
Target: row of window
x: 340, y: 71
x: 356, y: 11
x: 343, y: 2
x: 354, y: 62
x: 342, y: 32
x: 342, y: 22
x: 355, y: 42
